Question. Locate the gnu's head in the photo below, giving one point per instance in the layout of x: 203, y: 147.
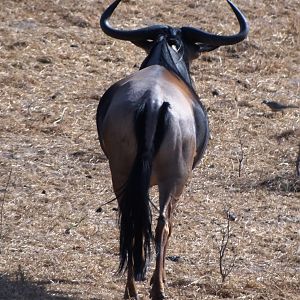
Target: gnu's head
x: 167, y: 45
x: 193, y: 40
x: 173, y: 48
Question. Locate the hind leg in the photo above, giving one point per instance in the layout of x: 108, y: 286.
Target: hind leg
x: 168, y: 201
x: 172, y: 174
x: 119, y: 179
x: 130, y: 289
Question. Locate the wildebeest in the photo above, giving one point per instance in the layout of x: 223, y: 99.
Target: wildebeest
x: 154, y: 130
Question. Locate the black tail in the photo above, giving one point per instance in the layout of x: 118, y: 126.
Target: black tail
x: 135, y: 213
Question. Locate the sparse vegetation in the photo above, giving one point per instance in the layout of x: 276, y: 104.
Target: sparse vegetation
x: 226, y: 265
x: 240, y: 155
x: 55, y: 63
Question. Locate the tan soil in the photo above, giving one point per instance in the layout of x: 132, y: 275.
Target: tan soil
x: 55, y: 63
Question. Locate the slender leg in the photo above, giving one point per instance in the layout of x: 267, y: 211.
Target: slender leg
x: 165, y: 249
x: 162, y: 234
x: 158, y: 278
x: 130, y: 289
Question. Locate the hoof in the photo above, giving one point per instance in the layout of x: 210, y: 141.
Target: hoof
x: 157, y: 295
x: 129, y: 295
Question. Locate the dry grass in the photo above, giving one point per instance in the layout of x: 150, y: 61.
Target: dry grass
x: 54, y: 64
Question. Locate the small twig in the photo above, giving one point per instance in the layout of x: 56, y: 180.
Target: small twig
x: 20, y: 275
x: 67, y: 231
x: 61, y: 117
x: 2, y: 203
x: 298, y: 163
x: 241, y: 155
x: 119, y: 194
x: 226, y: 235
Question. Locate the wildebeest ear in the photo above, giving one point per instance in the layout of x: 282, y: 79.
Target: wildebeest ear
x: 195, y: 49
x: 204, y: 48
x: 146, y: 44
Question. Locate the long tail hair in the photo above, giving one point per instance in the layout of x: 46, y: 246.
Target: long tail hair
x: 135, y: 213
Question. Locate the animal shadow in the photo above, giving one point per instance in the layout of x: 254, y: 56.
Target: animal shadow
x: 23, y: 289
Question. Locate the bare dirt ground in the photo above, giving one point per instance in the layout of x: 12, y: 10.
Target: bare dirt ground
x: 55, y: 63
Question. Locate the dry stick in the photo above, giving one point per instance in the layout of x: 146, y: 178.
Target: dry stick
x: 222, y: 252
x: 241, y: 156
x: 2, y: 203
x: 60, y: 119
x: 298, y: 163
x: 67, y: 231
x: 20, y: 274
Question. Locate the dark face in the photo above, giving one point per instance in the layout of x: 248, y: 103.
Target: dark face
x: 169, y: 50
x: 178, y: 47
x: 174, y: 39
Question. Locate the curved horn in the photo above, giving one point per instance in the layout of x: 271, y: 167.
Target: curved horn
x: 198, y: 36
x: 129, y: 35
